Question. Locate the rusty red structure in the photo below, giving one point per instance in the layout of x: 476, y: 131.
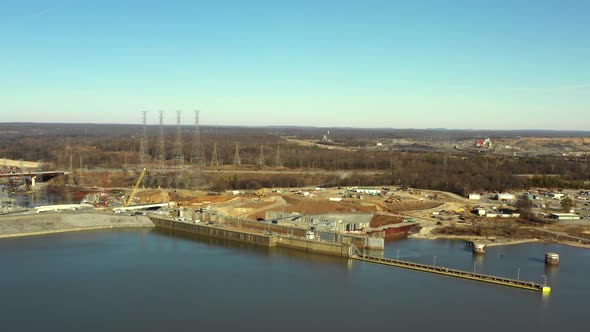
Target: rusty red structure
x: 9, y: 170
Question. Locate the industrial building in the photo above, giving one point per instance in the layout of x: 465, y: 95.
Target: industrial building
x: 557, y: 196
x: 480, y: 211
x: 334, y: 222
x: 369, y: 191
x: 564, y: 216
x: 505, y: 197
x: 483, y: 143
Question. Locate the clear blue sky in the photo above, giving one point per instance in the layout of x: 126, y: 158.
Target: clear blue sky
x: 514, y: 64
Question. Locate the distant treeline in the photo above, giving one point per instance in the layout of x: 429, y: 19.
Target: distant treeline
x: 430, y: 171
x: 116, y: 146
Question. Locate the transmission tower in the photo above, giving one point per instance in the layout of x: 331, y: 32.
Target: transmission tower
x: 143, y: 143
x: 161, y: 147
x: 178, y: 156
x: 215, y: 158
x: 278, y: 157
x: 196, y: 151
x: 237, y: 160
x: 196, y: 148
x: 261, y: 160
x: 68, y: 153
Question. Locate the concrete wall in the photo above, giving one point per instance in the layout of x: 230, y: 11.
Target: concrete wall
x: 336, y: 249
x: 213, y: 231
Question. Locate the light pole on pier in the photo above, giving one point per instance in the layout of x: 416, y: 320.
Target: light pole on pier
x: 518, y: 273
x: 545, y: 280
x: 434, y: 260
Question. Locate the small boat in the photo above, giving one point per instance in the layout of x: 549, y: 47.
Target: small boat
x: 551, y: 258
x: 479, y: 249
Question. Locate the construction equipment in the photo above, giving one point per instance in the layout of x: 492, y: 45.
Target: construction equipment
x: 260, y: 192
x: 130, y: 199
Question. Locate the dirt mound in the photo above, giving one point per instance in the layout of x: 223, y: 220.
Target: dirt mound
x: 191, y: 198
x: 315, y: 206
x: 411, y: 206
x: 183, y: 197
x: 383, y: 219
x: 153, y: 196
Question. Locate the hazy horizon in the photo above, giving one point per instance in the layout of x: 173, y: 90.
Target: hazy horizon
x: 459, y: 65
x: 299, y: 126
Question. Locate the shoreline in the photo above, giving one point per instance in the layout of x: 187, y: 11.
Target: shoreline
x: 62, y: 222
x: 425, y: 234
x: 70, y: 230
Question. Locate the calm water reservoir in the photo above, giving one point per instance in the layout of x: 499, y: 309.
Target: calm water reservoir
x: 149, y: 280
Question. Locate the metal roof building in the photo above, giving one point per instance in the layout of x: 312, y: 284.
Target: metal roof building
x: 564, y: 216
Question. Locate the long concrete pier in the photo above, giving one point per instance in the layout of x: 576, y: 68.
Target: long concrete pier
x: 271, y: 239
x: 240, y: 235
x: 454, y: 273
x: 252, y: 236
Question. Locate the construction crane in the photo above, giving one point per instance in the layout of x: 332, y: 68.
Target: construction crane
x: 136, y: 187
x: 104, y: 197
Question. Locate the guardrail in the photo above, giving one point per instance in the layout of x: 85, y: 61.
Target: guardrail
x: 454, y: 273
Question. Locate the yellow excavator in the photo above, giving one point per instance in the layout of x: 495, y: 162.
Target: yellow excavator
x: 260, y: 192
x: 130, y: 199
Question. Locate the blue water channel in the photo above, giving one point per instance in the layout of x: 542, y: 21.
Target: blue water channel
x: 149, y: 280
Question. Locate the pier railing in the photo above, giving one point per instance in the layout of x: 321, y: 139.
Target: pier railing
x: 453, y: 272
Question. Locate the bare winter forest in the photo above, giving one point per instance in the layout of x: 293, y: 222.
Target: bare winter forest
x: 295, y: 156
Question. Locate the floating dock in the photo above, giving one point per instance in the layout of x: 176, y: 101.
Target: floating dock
x: 454, y: 273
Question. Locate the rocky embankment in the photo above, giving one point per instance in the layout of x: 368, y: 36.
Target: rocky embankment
x: 503, y: 235
x: 58, y: 222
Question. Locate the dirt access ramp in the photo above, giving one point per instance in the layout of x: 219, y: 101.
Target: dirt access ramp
x: 19, y: 163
